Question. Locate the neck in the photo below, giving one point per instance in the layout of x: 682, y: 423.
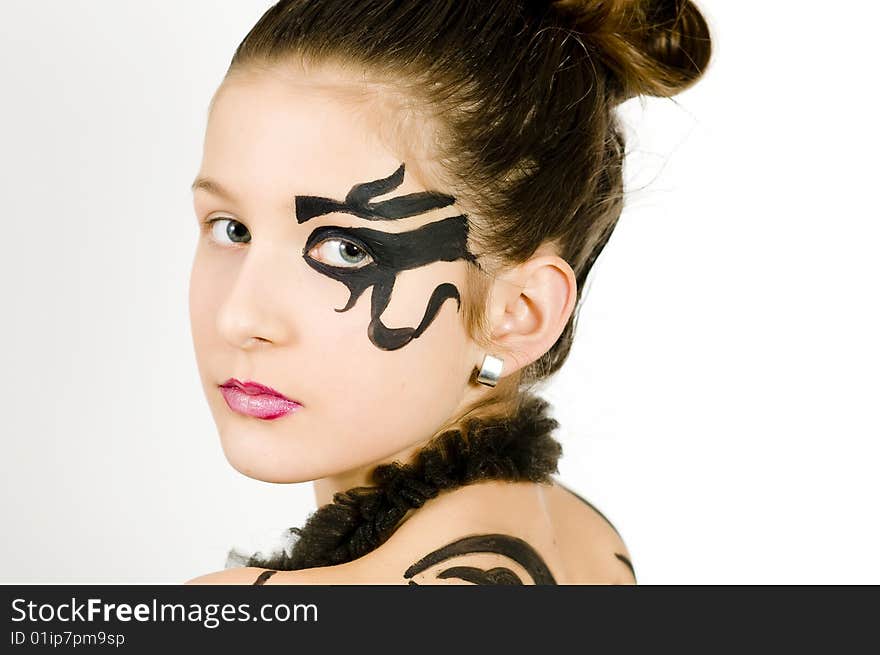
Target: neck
x: 516, y: 448
x: 472, y: 406
x: 325, y: 488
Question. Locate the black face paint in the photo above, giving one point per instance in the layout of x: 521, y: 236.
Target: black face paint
x: 392, y: 252
x: 357, y: 202
x: 511, y: 547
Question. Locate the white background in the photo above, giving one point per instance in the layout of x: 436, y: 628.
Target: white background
x: 720, y: 404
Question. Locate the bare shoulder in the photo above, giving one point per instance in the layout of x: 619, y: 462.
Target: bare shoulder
x: 488, y: 533
x: 590, y: 540
x: 249, y: 575
x: 452, y: 539
x: 507, y: 533
x: 236, y: 576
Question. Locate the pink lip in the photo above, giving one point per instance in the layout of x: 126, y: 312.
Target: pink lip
x: 257, y: 400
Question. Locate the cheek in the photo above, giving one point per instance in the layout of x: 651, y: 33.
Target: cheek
x: 369, y: 404
x: 434, y: 360
x: 362, y: 403
x: 375, y: 402
x: 206, y: 283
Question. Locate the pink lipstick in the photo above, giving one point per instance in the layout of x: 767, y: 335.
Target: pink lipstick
x: 257, y: 400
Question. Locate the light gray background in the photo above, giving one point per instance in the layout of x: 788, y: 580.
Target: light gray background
x: 720, y: 404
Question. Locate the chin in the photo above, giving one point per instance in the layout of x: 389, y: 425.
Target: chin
x: 266, y: 463
x: 259, y: 469
x: 256, y: 460
x: 275, y: 477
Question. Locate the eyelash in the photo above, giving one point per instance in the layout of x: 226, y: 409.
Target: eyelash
x: 208, y: 223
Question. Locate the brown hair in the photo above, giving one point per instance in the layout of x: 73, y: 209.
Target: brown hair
x: 520, y: 96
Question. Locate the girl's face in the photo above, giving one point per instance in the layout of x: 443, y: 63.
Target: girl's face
x: 326, y: 271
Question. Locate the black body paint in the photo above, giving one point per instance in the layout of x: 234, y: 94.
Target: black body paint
x: 392, y: 252
x: 265, y: 575
x: 588, y: 504
x: 498, y: 575
x: 511, y: 547
x: 625, y: 560
x: 619, y: 556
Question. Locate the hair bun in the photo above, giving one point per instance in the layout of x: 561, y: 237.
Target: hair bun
x: 652, y: 47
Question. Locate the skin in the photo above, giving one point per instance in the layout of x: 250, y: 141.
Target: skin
x: 374, y: 349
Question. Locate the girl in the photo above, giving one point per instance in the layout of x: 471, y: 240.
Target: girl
x: 400, y: 204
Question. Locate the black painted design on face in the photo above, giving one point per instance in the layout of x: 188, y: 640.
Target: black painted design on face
x: 357, y: 202
x: 511, y: 547
x: 391, y: 252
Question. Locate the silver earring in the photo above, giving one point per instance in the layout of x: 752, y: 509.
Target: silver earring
x: 490, y: 371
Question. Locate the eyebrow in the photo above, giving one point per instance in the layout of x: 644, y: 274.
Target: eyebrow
x: 211, y: 186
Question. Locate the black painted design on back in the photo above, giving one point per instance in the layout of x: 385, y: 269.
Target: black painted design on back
x: 498, y: 575
x: 391, y: 252
x: 512, y: 547
x: 265, y: 575
x: 586, y: 502
x: 625, y: 560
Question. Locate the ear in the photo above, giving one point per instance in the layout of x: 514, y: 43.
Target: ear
x: 530, y: 306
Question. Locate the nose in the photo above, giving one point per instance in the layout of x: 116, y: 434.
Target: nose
x: 252, y: 314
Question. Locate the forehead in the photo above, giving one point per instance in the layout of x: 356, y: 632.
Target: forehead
x: 270, y: 133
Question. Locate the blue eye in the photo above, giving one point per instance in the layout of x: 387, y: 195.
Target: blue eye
x: 340, y: 253
x: 234, y: 230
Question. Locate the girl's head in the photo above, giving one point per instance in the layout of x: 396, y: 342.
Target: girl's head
x: 391, y: 190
